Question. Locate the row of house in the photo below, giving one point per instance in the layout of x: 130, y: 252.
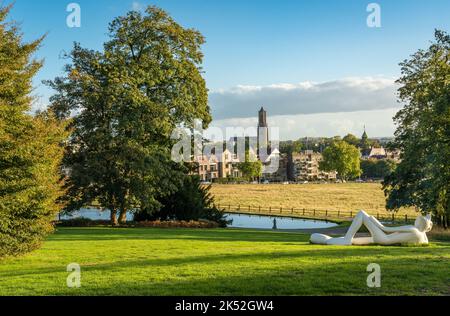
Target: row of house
x: 303, y: 166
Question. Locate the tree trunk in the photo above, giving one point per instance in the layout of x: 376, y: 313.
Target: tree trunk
x: 114, y: 218
x: 123, y: 216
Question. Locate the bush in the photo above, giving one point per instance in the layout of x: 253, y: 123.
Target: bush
x: 82, y: 222
x: 192, y: 201
x: 178, y: 224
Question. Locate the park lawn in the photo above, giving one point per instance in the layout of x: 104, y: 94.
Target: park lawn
x: 330, y: 196
x: 131, y: 261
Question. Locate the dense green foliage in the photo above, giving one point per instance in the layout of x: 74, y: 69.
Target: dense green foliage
x: 377, y: 168
x: 352, y: 140
x: 251, y: 168
x: 126, y: 101
x: 30, y: 151
x: 220, y: 262
x: 289, y: 147
x: 422, y: 179
x: 192, y: 201
x: 343, y: 158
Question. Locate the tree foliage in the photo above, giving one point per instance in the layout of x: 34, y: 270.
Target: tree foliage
x: 251, y: 168
x: 352, y: 140
x: 342, y: 158
x: 123, y: 104
x: 30, y: 151
x: 192, y: 201
x: 422, y: 179
x: 289, y: 147
x: 377, y: 169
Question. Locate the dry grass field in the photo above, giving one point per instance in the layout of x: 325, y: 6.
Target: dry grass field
x: 331, y: 197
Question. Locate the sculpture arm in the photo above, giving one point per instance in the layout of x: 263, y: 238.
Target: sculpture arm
x: 398, y: 229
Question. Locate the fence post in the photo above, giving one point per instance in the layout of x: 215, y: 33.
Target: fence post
x: 239, y: 207
x: 259, y: 209
x: 339, y: 213
x: 270, y: 209
x: 303, y: 211
x: 326, y: 213
x: 378, y: 216
x: 249, y: 208
x: 406, y: 218
x: 314, y: 213
x: 229, y: 207
x: 351, y: 213
x: 292, y: 211
x: 393, y: 217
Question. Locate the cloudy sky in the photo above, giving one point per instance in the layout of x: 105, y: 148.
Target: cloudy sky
x: 316, y: 66
x: 307, y: 108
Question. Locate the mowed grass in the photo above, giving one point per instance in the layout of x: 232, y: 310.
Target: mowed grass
x: 219, y: 262
x: 332, y: 197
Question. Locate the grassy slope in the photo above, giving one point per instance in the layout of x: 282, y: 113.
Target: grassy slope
x: 332, y: 197
x: 219, y: 262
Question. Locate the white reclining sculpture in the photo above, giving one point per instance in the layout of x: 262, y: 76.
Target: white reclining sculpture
x: 380, y: 234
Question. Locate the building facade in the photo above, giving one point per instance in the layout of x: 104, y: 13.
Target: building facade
x: 306, y: 167
x: 212, y: 167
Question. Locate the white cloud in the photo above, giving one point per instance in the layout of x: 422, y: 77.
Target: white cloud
x: 378, y: 123
x: 343, y: 95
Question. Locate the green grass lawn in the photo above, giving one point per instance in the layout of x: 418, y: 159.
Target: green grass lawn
x: 219, y: 262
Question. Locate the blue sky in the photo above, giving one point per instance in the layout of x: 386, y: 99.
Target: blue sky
x: 270, y: 46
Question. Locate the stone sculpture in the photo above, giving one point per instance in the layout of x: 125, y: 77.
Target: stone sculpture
x: 380, y: 234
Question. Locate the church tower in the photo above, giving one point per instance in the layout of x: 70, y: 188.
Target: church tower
x: 263, y: 129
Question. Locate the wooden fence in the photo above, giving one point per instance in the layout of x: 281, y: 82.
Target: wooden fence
x: 307, y: 213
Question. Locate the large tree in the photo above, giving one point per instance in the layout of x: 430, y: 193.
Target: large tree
x: 422, y: 179
x: 123, y: 104
x: 342, y: 158
x: 30, y: 151
x: 352, y: 140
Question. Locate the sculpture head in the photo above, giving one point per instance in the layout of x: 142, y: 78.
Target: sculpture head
x: 424, y: 223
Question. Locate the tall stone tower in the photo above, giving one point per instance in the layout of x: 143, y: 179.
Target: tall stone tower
x: 263, y: 129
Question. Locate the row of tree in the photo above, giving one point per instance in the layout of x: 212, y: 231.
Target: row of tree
x: 320, y: 144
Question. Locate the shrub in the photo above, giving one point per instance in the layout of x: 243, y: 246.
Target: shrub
x: 192, y: 201
x: 178, y: 224
x: 82, y: 222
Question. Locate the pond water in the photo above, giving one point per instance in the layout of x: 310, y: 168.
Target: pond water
x: 267, y: 222
x: 239, y: 220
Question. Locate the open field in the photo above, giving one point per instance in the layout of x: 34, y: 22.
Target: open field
x: 330, y: 197
x: 219, y: 262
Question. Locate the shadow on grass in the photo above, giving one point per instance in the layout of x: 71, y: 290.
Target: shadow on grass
x: 347, y: 278
x: 313, y: 253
